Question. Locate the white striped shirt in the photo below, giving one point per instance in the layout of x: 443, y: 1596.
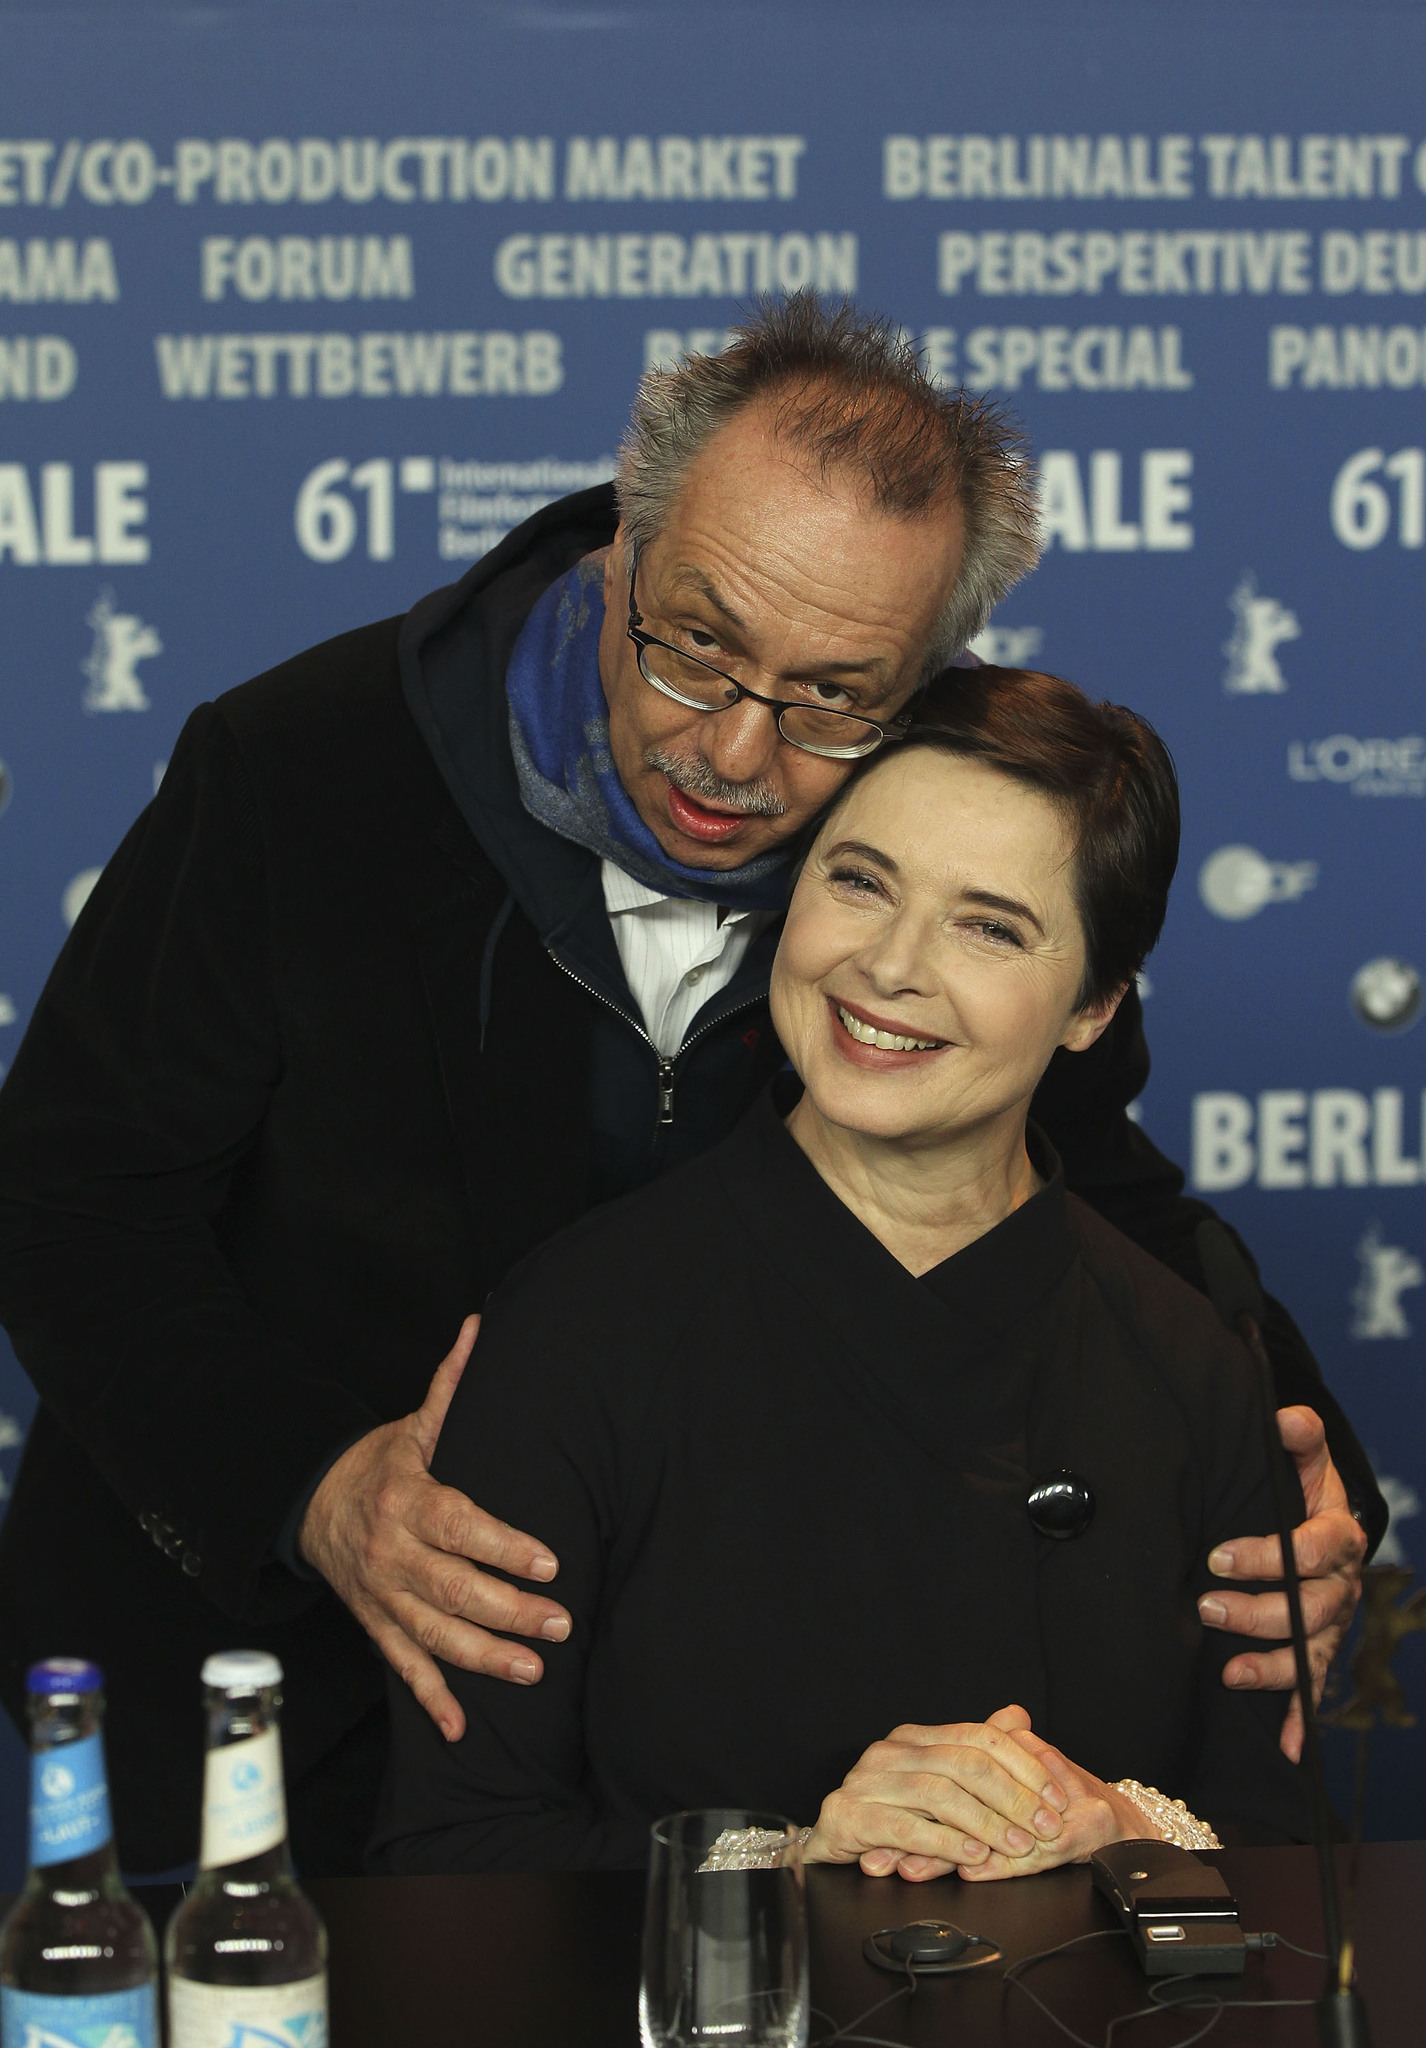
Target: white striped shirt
x: 676, y: 956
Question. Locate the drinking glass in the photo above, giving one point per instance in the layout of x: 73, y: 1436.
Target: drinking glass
x: 725, y: 1949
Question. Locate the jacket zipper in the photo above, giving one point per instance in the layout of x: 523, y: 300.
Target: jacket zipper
x: 666, y: 1067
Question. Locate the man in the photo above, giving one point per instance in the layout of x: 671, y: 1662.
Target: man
x: 431, y: 938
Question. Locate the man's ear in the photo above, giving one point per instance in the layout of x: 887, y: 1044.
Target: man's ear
x: 1090, y: 1023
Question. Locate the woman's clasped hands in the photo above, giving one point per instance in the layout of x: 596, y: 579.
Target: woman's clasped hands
x: 987, y: 1799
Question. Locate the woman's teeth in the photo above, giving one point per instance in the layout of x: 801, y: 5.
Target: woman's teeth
x: 889, y: 1041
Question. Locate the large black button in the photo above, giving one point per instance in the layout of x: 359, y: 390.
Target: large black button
x: 1060, y: 1505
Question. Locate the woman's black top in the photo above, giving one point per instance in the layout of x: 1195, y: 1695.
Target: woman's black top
x: 786, y: 1483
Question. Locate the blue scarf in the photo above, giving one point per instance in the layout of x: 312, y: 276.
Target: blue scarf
x: 559, y: 736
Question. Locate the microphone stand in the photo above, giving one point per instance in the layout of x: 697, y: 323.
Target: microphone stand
x: 1235, y: 1293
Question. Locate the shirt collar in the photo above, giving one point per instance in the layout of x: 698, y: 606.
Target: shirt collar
x: 622, y: 892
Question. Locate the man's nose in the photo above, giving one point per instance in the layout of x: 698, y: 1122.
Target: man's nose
x: 741, y: 742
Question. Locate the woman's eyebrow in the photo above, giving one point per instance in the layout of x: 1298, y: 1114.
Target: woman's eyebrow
x: 1008, y: 905
x: 862, y: 851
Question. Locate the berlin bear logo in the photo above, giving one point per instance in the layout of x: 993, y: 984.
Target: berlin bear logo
x: 121, y: 642
x: 1263, y: 624
x: 1387, y: 1272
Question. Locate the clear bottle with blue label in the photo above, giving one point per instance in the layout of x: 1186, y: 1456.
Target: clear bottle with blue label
x: 246, y: 1949
x: 78, y: 1959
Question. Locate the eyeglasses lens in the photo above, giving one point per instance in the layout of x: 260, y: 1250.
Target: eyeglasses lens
x: 828, y: 732
x: 688, y: 680
x: 820, y: 732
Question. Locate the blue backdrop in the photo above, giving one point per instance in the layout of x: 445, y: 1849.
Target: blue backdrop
x: 301, y: 308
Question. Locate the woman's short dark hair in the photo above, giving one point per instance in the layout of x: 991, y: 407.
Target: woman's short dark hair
x: 1104, y: 767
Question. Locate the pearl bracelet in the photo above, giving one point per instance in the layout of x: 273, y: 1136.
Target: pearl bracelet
x: 1170, y: 1816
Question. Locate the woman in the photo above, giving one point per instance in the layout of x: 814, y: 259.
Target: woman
x: 780, y: 1413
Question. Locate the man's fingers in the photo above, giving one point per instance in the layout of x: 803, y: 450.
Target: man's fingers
x: 432, y: 1411
x: 449, y: 1586
x: 430, y: 1633
x: 419, y: 1672
x: 1326, y: 1604
x: 1330, y: 1542
x: 1291, y: 1738
x: 1247, y: 1614
x: 1302, y: 1432
x: 443, y: 1518
x: 1276, y: 1670
x: 1336, y: 1540
x: 1247, y: 1557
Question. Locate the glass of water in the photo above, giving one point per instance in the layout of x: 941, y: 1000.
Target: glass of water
x: 725, y: 1933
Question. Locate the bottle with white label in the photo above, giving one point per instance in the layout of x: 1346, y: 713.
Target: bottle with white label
x: 78, y: 1959
x: 246, y: 1950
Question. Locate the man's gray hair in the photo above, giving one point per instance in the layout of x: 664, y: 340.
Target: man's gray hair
x: 848, y: 390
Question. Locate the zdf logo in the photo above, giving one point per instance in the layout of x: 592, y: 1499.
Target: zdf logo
x: 1237, y: 882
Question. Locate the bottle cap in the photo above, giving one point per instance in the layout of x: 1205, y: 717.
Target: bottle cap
x: 59, y: 1675
x: 241, y: 1670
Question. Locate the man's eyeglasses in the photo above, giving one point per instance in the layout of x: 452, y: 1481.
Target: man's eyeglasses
x: 838, y: 735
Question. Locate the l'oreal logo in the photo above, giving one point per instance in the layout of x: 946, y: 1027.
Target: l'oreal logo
x: 1375, y: 767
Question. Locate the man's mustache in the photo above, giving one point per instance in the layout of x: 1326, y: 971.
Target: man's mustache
x: 695, y: 777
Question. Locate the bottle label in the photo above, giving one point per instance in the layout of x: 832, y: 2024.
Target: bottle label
x: 69, y: 1801
x: 246, y: 2015
x: 244, y: 1810
x: 110, y: 2019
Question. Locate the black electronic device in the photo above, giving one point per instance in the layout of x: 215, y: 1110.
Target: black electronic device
x: 1179, y: 1914
x: 928, y: 1948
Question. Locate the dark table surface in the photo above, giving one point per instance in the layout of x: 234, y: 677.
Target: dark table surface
x: 541, y: 1962
x: 553, y: 1961
x: 550, y: 1960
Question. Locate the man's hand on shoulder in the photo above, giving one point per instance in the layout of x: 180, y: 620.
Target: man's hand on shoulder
x: 401, y: 1551
x: 1329, y: 1546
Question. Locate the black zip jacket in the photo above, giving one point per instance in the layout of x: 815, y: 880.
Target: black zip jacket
x: 341, y: 1035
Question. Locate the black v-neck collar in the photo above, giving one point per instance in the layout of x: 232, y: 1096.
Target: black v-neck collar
x: 1005, y: 1273
x: 809, y: 1231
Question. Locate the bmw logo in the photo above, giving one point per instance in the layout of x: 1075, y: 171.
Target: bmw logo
x: 1386, y: 994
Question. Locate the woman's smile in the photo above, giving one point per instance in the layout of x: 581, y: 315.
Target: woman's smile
x: 877, y: 1042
